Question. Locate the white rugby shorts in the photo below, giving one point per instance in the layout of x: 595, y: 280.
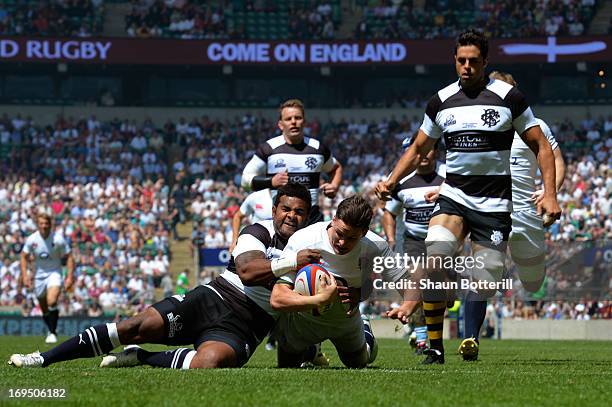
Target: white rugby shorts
x: 53, y: 279
x: 527, y: 235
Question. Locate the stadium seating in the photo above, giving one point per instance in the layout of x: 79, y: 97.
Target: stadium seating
x: 52, y: 18
x: 499, y: 19
x: 261, y: 20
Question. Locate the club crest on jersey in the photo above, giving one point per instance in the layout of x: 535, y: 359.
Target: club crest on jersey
x: 490, y: 117
x: 311, y: 163
x: 497, y: 237
x: 280, y: 163
x: 450, y: 120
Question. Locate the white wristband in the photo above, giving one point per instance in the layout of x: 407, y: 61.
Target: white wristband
x: 284, y: 265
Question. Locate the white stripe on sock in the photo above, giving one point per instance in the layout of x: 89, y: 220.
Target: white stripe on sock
x: 95, y: 335
x: 113, y: 335
x: 188, y: 359
x: 177, y: 356
x: 91, y: 342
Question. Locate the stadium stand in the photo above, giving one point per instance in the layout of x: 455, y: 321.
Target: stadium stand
x: 237, y: 19
x: 397, y: 19
x: 106, y: 185
x: 78, y: 18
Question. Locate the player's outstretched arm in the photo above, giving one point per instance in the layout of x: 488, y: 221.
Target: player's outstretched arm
x: 285, y: 299
x: 407, y: 163
x: 537, y: 142
x: 255, y: 269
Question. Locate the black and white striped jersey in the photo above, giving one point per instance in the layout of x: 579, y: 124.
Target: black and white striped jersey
x: 304, y: 162
x: 478, y: 130
x: 409, y: 196
x: 261, y: 237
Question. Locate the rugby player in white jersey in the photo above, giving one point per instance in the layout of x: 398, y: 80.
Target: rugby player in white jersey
x: 527, y: 237
x: 224, y: 320
x: 257, y: 206
x: 348, y: 252
x: 43, y: 254
x: 478, y: 117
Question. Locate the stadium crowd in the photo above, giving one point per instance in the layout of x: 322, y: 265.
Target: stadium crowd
x: 106, y: 185
x: 75, y: 18
x: 320, y: 20
x: 399, y: 19
x: 179, y: 19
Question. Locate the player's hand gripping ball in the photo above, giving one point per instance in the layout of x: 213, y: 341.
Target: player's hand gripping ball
x: 308, y: 282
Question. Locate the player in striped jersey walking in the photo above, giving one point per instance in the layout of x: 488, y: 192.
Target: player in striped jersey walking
x: 291, y: 157
x: 478, y: 117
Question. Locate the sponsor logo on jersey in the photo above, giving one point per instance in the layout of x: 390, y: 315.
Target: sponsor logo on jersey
x: 497, y: 237
x: 44, y: 255
x: 299, y: 179
x: 418, y: 215
x: 174, y: 325
x: 450, y: 120
x: 311, y: 163
x: 490, y: 117
x: 280, y: 163
x: 258, y: 206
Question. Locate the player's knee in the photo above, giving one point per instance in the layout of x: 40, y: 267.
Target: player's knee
x: 440, y: 241
x: 145, y: 326
x: 355, y: 360
x: 532, y: 275
x: 212, y: 357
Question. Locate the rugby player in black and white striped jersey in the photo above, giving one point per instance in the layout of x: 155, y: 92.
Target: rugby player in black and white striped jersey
x: 291, y: 157
x: 478, y: 117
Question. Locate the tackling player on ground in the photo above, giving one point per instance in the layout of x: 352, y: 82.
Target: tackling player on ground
x: 222, y: 319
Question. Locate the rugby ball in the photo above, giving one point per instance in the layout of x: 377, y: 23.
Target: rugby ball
x: 308, y: 279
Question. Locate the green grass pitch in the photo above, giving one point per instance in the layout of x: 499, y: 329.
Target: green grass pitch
x: 509, y: 373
